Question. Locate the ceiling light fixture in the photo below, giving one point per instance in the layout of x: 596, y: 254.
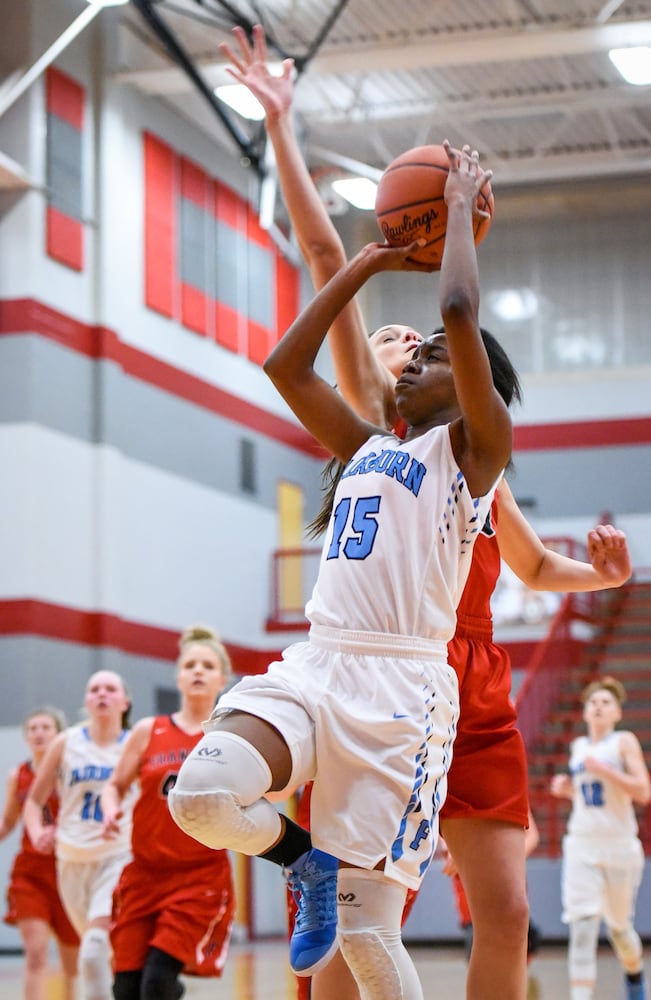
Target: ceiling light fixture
x: 240, y: 99
x: 359, y: 191
x: 633, y: 63
x: 514, y: 305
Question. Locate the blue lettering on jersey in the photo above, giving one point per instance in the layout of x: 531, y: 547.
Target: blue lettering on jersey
x: 422, y: 833
x: 593, y: 793
x: 413, y: 806
x: 90, y: 772
x: 393, y: 462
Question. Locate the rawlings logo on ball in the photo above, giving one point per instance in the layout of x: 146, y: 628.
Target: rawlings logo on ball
x: 410, y: 227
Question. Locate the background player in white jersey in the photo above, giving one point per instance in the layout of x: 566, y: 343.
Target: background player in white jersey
x: 78, y: 764
x: 603, y: 858
x: 369, y: 704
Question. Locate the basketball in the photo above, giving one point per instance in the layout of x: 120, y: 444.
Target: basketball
x: 409, y: 203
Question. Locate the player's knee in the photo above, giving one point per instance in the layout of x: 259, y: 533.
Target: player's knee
x: 582, y: 952
x: 217, y: 820
x: 501, y: 919
x: 628, y: 948
x: 217, y: 798
x: 369, y: 935
x: 515, y: 916
x: 36, y: 958
x: 95, y: 963
x: 371, y: 962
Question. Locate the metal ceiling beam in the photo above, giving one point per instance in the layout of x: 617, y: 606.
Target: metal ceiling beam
x: 449, y: 50
x: 466, y: 49
x: 194, y: 78
x: 486, y: 108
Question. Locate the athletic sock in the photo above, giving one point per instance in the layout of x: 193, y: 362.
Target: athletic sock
x: 294, y: 842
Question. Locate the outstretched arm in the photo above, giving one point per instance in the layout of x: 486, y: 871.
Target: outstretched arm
x: 41, y: 834
x: 541, y: 568
x: 361, y: 379
x: 290, y: 366
x: 481, y: 440
x: 11, y: 811
x: 124, y: 774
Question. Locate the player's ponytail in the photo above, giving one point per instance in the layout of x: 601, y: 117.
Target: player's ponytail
x: 329, y: 479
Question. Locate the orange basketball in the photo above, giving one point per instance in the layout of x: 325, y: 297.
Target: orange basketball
x: 409, y: 204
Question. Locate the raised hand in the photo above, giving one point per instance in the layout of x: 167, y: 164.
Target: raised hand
x: 385, y: 257
x: 466, y: 177
x: 609, y: 555
x: 250, y: 67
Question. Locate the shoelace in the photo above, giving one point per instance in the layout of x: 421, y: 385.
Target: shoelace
x: 315, y: 902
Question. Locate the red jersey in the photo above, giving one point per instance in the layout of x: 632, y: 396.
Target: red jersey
x: 176, y: 894
x: 484, y: 572
x: 32, y: 893
x: 25, y: 780
x: 157, y: 840
x: 488, y: 775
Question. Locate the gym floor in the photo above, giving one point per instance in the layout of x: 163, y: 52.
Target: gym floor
x: 261, y: 972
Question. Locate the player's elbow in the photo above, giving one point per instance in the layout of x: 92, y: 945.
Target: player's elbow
x: 458, y: 306
x: 644, y: 796
x: 272, y: 365
x: 323, y: 258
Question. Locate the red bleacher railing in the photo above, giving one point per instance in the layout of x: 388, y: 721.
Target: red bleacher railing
x: 556, y: 653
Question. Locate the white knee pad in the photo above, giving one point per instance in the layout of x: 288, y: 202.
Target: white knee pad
x: 217, y: 798
x: 95, y: 964
x: 627, y: 947
x: 582, y: 953
x: 369, y: 916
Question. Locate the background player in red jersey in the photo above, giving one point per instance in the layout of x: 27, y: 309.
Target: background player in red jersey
x: 174, y: 903
x: 33, y: 903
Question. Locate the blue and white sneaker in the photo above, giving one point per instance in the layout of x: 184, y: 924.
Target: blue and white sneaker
x: 636, y: 991
x: 314, y: 886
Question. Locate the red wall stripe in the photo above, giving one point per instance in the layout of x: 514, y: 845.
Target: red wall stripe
x: 229, y: 207
x: 287, y: 295
x: 582, y: 434
x: 254, y: 232
x: 98, y: 629
x: 229, y: 327
x: 95, y: 628
x: 65, y: 97
x: 196, y: 187
x: 260, y: 342
x: 64, y: 239
x: 160, y: 225
x: 194, y: 184
x: 194, y: 308
x: 31, y: 316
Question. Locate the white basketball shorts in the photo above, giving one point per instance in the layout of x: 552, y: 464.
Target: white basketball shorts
x: 371, y: 718
x: 601, y: 877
